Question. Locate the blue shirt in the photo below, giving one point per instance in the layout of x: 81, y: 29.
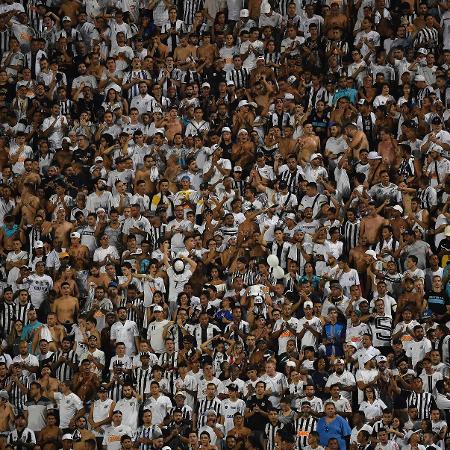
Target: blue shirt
x: 338, y: 428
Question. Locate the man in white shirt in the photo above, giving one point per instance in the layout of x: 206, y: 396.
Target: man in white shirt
x: 69, y: 404
x: 113, y: 433
x: 125, y: 331
x: 159, y: 404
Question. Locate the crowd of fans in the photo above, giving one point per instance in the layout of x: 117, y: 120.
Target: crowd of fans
x: 224, y: 225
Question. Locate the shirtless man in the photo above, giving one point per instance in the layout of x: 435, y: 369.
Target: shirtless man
x: 61, y: 228
x: 308, y: 144
x: 409, y: 298
x: 8, y: 233
x: 144, y: 174
x: 6, y: 417
x: 56, y: 330
x: 336, y: 19
x: 51, y: 435
x: 96, y: 277
x: 172, y: 124
x: 287, y: 143
x: 207, y: 52
x: 243, y: 152
x: 183, y: 51
x: 66, y: 307
x: 357, y: 255
x: 356, y: 140
x: 85, y: 382
x: 77, y: 251
x: 371, y: 225
x: 48, y: 384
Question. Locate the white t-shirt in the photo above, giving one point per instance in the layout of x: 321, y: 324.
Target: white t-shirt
x: 130, y: 412
x: 101, y: 412
x: 113, y: 434
x: 229, y: 409
x: 68, y: 406
x: 286, y: 335
x: 160, y: 407
x: 125, y: 332
x: 155, y: 335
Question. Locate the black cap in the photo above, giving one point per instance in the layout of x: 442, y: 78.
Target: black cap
x: 410, y: 124
x: 282, y: 184
x: 436, y: 120
x: 233, y: 387
x: 102, y: 389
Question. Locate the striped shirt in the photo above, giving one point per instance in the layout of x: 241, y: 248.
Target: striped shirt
x: 7, y: 316
x: 304, y: 426
x: 190, y: 7
x: 186, y: 411
x: 424, y: 402
x: 239, y: 77
x: 204, y: 405
x: 270, y: 432
x: 64, y: 371
x: 147, y: 433
x: 141, y: 380
x: 170, y: 360
x: 350, y: 231
x: 17, y: 397
x: 21, y: 312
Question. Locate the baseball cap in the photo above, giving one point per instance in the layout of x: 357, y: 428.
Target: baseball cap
x: 424, y: 51
x: 4, y: 394
x: 308, y: 304
x: 436, y: 120
x: 226, y: 130
x: 290, y: 216
x: 339, y: 361
x: 398, y: 208
x: 244, y: 13
x: 373, y: 155
x: 98, y: 159
x: 419, y: 78
x: 63, y: 255
x: 158, y: 308
x: 75, y: 234
x: 230, y: 83
x: 205, y: 84
x: 102, y: 389
x: 238, y: 169
x: 233, y: 387
x: 315, y: 156
x: 371, y: 253
x: 38, y: 244
x: 362, y: 101
x: 381, y: 358
x: 67, y: 437
x: 289, y: 96
x: 66, y: 19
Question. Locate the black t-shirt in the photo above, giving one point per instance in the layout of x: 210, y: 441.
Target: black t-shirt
x: 437, y: 301
x: 257, y: 421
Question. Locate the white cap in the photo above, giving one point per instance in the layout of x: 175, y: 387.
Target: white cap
x: 244, y: 13
x: 398, y: 208
x: 98, y: 159
x: 158, y: 308
x: 289, y: 96
x: 381, y: 358
x: 436, y: 148
x: 265, y: 9
x: 67, y: 437
x: 66, y: 18
x: 290, y: 216
x: 75, y: 234
x: 237, y: 169
x: 214, y: 147
x: 308, y: 304
x: 230, y: 83
x: 292, y: 79
x: 373, y: 155
x: 291, y: 364
x: 226, y: 130
x: 205, y: 84
x: 419, y: 78
x: 242, y: 103
x: 315, y: 156
x: 242, y: 130
x: 371, y: 253
x: 367, y: 357
x: 38, y: 244
x: 424, y: 51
